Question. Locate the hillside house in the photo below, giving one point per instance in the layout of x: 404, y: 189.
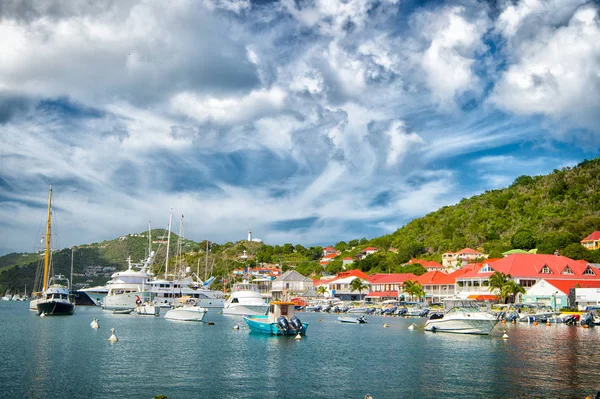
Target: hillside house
x: 592, y: 241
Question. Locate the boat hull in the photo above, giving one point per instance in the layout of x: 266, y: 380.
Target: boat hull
x: 355, y: 320
x: 246, y: 310
x: 148, y: 310
x: 261, y: 325
x: 55, y: 308
x: 186, y: 314
x: 462, y: 326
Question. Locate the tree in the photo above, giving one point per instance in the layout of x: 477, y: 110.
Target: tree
x: 358, y: 285
x: 497, y: 281
x: 511, y: 289
x: 523, y: 239
x: 321, y: 290
x: 413, y: 289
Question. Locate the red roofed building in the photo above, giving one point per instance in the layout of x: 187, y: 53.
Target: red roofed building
x: 555, y: 293
x: 592, y: 241
x: 368, y: 251
x: 339, y: 286
x: 329, y: 251
x: 388, y: 285
x: 525, y: 269
x: 429, y: 265
x: 437, y: 285
x: 465, y: 255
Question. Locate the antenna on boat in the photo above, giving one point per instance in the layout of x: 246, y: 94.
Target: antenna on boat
x: 71, y: 278
x: 168, y: 242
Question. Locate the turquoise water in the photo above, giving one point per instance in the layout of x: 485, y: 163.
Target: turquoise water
x: 63, y: 357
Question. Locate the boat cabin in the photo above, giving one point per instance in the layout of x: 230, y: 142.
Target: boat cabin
x: 278, y: 309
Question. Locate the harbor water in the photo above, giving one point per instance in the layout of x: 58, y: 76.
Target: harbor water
x: 63, y: 357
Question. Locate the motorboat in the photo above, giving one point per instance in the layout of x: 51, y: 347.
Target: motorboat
x: 534, y: 312
x: 129, y: 287
x: 280, y: 320
x: 356, y: 320
x: 55, y: 299
x: 462, y: 317
x: 166, y: 292
x: 188, y: 310
x: 245, y: 300
x: 96, y: 294
x: 147, y: 309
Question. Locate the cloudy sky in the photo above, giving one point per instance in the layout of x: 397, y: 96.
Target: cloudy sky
x: 307, y: 122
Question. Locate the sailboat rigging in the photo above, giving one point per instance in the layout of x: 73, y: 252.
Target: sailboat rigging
x: 54, y: 299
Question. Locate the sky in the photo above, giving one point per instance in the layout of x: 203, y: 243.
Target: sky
x: 309, y: 122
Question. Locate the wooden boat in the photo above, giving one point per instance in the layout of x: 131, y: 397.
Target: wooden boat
x: 280, y: 320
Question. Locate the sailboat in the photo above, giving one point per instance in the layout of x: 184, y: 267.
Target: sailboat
x: 187, y: 309
x: 54, y: 299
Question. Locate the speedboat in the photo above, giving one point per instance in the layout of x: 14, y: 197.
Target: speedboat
x: 245, y: 300
x: 187, y: 311
x: 534, y: 312
x: 55, y: 300
x: 281, y: 320
x: 147, y: 309
x: 129, y: 287
x: 356, y: 320
x: 462, y: 317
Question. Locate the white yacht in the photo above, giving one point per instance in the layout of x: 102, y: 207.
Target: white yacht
x: 245, y: 300
x: 97, y: 293
x: 167, y: 292
x: 462, y: 317
x: 130, y: 287
x: 188, y: 310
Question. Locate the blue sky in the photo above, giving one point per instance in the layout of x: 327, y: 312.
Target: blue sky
x: 307, y: 122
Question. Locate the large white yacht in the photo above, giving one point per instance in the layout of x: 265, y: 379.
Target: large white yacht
x: 245, y: 300
x: 167, y: 292
x: 130, y: 287
x: 462, y: 317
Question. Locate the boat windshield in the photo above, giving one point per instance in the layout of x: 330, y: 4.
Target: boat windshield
x: 456, y: 305
x: 245, y: 287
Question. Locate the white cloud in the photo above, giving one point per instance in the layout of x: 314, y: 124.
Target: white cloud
x: 400, y: 142
x: 556, y: 73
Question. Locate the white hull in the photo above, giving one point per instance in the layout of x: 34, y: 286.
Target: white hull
x: 147, y: 310
x: 358, y: 310
x: 246, y: 310
x: 462, y: 325
x: 123, y: 301
x: 191, y: 313
x: 33, y: 305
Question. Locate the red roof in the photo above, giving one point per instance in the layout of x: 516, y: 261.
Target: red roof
x: 330, y: 256
x: 391, y: 278
x: 531, y: 265
x: 565, y: 285
x: 354, y: 272
x: 329, y: 249
x: 370, y: 249
x: 595, y: 236
x: 425, y: 263
x: 435, y: 278
x: 348, y: 258
x: 469, y: 251
x: 382, y: 294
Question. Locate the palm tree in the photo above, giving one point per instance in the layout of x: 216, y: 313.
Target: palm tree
x: 511, y: 288
x: 358, y: 285
x: 497, y: 281
x: 321, y: 290
x: 413, y: 289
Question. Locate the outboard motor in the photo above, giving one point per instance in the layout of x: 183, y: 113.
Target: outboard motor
x: 436, y: 315
x: 587, y: 320
x: 296, y: 324
x: 512, y: 316
x: 283, y: 323
x: 345, y: 309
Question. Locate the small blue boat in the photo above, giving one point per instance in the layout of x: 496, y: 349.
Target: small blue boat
x: 281, y: 320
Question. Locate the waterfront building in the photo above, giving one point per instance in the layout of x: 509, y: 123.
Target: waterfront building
x: 292, y: 284
x: 587, y: 298
x: 437, y: 286
x: 387, y: 286
x: 339, y: 286
x: 592, y: 241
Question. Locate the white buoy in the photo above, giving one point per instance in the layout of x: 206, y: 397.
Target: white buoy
x: 94, y: 323
x: 505, y: 336
x: 298, y: 336
x: 42, y: 314
x: 386, y: 325
x: 411, y: 327
x: 236, y: 327
x: 113, y: 338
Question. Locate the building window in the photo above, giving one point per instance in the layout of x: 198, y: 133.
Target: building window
x: 546, y: 270
x: 589, y: 272
x: 527, y: 283
x: 567, y: 270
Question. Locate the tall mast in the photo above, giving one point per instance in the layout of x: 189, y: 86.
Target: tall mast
x: 206, y: 259
x: 47, y: 253
x: 168, y: 242
x: 180, y: 247
x: 71, y: 278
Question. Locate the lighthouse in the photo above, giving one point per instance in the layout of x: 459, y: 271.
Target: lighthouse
x: 249, y: 236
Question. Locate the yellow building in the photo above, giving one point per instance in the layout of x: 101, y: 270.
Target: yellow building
x: 592, y: 241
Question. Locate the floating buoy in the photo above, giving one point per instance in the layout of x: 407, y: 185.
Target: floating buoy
x: 94, y: 323
x: 535, y: 323
x: 319, y: 320
x: 367, y: 396
x: 505, y: 336
x: 113, y: 338
x: 513, y: 322
x: 236, y: 327
x: 503, y: 321
x: 42, y: 314
x: 411, y: 327
x: 298, y: 336
x: 219, y: 312
x: 386, y: 325
x: 548, y: 323
x: 586, y: 326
